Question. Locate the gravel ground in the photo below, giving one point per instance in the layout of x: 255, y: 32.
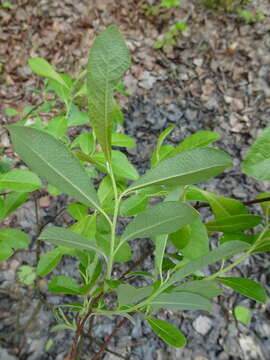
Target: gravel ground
x: 217, y: 78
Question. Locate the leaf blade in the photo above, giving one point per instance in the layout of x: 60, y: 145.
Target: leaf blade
x: 189, y: 167
x: 257, y: 161
x: 108, y: 61
x: 167, y: 332
x: 181, y: 301
x: 67, y: 238
x: 53, y: 161
x: 160, y: 219
x: 247, y: 287
x: 225, y: 250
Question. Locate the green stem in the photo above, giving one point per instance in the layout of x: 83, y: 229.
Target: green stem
x: 229, y: 267
x: 114, y: 222
x: 240, y: 259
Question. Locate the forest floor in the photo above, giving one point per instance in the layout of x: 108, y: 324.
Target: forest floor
x: 217, y: 77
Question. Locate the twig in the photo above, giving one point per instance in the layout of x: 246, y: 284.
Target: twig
x: 42, y: 226
x: 199, y: 205
x: 38, y: 250
x: 31, y: 111
x: 106, y: 342
x: 256, y: 201
x: 138, y: 262
x: 80, y: 327
x: 31, y: 318
x: 5, y: 193
x: 99, y: 343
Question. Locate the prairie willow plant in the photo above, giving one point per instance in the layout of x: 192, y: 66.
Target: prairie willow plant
x: 176, y: 281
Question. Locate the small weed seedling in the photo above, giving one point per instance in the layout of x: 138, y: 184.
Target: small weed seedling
x: 177, y: 280
x: 227, y: 5
x: 169, y: 38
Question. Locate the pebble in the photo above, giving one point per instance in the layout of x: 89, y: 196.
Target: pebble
x: 202, y: 324
x: 250, y: 348
x: 191, y: 114
x: 4, y: 355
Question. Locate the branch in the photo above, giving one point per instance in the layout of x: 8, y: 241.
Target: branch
x: 80, y: 327
x: 256, y: 201
x: 138, y: 262
x: 106, y: 342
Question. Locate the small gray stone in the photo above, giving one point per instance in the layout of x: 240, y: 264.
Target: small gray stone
x: 202, y: 324
x: 251, y: 348
x: 5, y: 355
x: 190, y: 114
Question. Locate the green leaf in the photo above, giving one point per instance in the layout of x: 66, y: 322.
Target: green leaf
x: 167, y: 332
x: 2, y: 208
x: 198, y: 140
x: 156, y: 153
x: 169, y: 3
x: 20, y: 180
x: 242, y: 314
x: 67, y: 238
x: 122, y: 140
x: 64, y: 285
x: 139, y: 273
x: 57, y: 126
x: 221, y: 206
x: 63, y: 92
x: 261, y: 244
x: 123, y: 254
x: 248, y: 238
x: 133, y: 205
x: 52, y: 190
x: 257, y: 160
x: 181, y: 301
x: 247, y: 287
x: 107, y: 63
x: 11, y: 112
x: 105, y: 190
x: 188, y: 167
x: 5, y: 165
x: 12, y: 202
x: 128, y: 294
x: 42, y: 68
x: 266, y: 204
x: 163, y: 218
x: 222, y: 252
x: 27, y: 275
x: 48, y: 262
x: 85, y: 141
x: 61, y: 327
x: 192, y: 240
x: 160, y: 246
x: 86, y: 227
x: 206, y: 288
x: 14, y: 238
x: 77, y: 117
x: 78, y: 211
x: 120, y: 165
x: 53, y: 161
x: 6, y: 251
x: 234, y: 223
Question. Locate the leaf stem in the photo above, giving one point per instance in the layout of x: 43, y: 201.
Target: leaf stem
x: 117, y: 200
x: 240, y: 259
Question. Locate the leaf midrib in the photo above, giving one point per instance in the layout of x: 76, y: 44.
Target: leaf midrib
x: 79, y: 242
x: 165, y: 331
x: 172, y: 177
x: 240, y: 286
x: 151, y: 227
x: 39, y: 156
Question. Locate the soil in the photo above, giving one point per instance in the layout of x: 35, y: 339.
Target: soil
x: 215, y: 78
